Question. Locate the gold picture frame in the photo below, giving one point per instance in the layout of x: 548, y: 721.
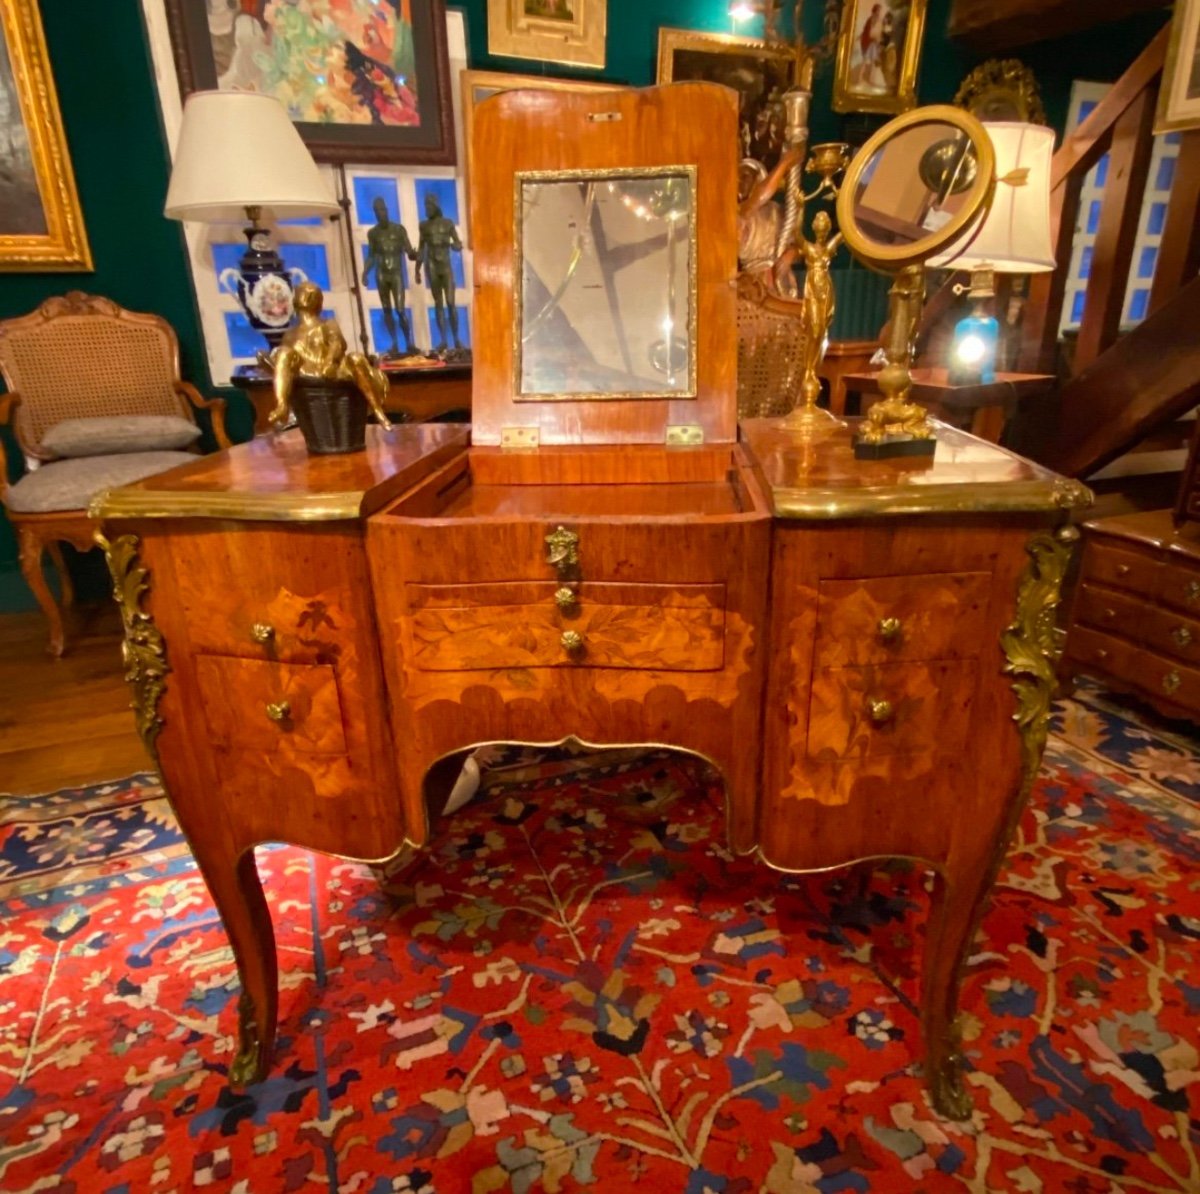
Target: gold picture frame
x: 878, y: 53
x: 1002, y: 89
x: 567, y: 32
x: 759, y: 71
x: 41, y: 222
x: 1179, y: 96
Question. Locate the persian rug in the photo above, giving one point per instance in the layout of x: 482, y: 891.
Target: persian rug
x: 578, y: 989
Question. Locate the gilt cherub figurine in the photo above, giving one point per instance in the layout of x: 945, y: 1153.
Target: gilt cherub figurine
x: 315, y: 349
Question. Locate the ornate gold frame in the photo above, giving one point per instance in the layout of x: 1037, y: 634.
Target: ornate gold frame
x: 1185, y: 37
x: 889, y: 258
x: 1009, y: 78
x: 523, y: 176
x: 64, y: 246
x: 579, y: 41
x: 845, y: 98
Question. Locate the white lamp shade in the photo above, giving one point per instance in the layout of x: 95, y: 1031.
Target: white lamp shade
x: 1014, y: 236
x: 236, y: 150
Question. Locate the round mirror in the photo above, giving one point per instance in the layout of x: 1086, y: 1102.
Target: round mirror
x: 915, y: 186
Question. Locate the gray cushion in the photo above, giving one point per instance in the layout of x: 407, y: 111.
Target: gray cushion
x: 71, y: 484
x: 119, y: 433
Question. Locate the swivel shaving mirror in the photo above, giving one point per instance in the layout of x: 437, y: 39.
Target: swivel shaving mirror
x: 917, y: 185
x: 606, y: 269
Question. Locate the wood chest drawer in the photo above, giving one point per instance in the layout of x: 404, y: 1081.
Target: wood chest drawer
x: 1111, y: 611
x: 1180, y: 588
x: 897, y: 708
x: 894, y: 618
x: 1102, y: 651
x: 536, y: 624
x: 257, y: 705
x: 1157, y: 675
x: 1120, y: 569
x: 1172, y: 634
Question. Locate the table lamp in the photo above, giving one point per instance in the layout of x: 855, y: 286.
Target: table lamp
x: 1013, y: 238
x: 239, y: 153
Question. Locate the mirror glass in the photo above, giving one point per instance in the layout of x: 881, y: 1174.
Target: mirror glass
x: 915, y: 184
x: 607, y: 303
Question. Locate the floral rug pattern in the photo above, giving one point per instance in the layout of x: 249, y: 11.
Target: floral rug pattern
x: 578, y: 989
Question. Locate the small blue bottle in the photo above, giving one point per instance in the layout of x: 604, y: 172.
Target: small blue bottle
x: 976, y: 338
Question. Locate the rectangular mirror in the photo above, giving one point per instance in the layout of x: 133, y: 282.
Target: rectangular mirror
x: 607, y: 302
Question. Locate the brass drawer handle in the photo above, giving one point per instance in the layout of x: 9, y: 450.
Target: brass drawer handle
x: 1122, y: 569
x: 1109, y: 614
x: 890, y: 629
x: 572, y: 642
x: 1172, y: 681
x: 1101, y: 653
x: 1192, y: 592
x: 880, y: 711
x: 262, y: 632
x: 1182, y: 635
x: 279, y: 712
x: 566, y: 599
x: 562, y: 551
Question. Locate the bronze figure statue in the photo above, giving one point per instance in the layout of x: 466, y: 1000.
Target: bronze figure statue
x: 439, y: 237
x: 388, y: 245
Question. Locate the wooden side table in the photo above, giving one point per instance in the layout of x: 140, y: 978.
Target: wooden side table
x: 842, y: 357
x: 982, y: 409
x: 419, y: 394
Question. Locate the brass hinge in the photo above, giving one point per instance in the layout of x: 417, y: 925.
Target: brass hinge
x: 520, y: 437
x: 684, y: 435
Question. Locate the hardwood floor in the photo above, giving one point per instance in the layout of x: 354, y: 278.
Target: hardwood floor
x: 65, y: 723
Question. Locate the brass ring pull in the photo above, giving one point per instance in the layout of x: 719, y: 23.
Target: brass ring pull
x: 1171, y: 682
x: 279, y: 712
x: 880, y: 711
x: 1182, y: 635
x: 572, y: 641
x: 262, y: 632
x: 566, y: 599
x: 890, y: 629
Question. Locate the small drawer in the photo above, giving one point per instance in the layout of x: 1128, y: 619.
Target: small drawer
x: 456, y: 628
x: 899, y: 708
x: 1112, y: 611
x: 262, y: 706
x: 893, y: 618
x: 1173, y: 635
x: 1121, y: 569
x: 1089, y: 648
x: 1180, y: 587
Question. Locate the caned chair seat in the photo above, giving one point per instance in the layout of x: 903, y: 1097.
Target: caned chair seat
x: 71, y: 484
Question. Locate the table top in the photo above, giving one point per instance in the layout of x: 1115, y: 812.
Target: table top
x: 274, y: 479
x: 245, y: 376
x: 821, y: 479
x: 933, y: 385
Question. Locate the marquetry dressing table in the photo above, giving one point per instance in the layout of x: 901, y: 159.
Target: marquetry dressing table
x: 605, y: 560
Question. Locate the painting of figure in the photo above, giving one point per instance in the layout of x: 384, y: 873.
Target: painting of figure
x: 375, y: 66
x: 1179, y: 95
x: 21, y: 209
x: 554, y: 10
x: 878, y: 50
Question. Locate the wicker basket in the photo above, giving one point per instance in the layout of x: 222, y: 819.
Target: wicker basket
x: 332, y: 416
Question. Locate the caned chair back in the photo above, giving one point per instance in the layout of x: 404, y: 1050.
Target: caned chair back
x: 770, y: 351
x: 79, y: 356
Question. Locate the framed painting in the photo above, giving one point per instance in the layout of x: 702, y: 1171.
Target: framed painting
x: 363, y: 80
x: 1179, y: 96
x: 879, y: 50
x: 567, y: 32
x: 41, y: 224
x: 760, y: 72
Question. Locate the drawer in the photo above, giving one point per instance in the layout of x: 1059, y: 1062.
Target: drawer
x: 896, y: 708
x: 1090, y: 648
x: 263, y: 706
x: 1180, y: 587
x: 1173, y: 635
x: 1122, y: 569
x: 522, y: 625
x: 894, y: 618
x: 1112, y: 611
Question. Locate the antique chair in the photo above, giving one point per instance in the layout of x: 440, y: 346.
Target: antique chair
x: 108, y: 380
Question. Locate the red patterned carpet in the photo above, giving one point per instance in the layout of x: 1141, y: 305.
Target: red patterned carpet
x: 579, y: 989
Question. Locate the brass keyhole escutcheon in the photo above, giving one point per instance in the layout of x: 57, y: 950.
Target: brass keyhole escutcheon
x: 572, y: 642
x: 262, y: 632
x: 1182, y: 635
x: 562, y: 552
x: 1172, y: 681
x: 880, y: 711
x: 1192, y: 591
x: 279, y: 712
x: 890, y: 630
x: 566, y: 599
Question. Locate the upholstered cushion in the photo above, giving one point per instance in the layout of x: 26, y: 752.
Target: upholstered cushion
x: 119, y: 433
x: 71, y: 484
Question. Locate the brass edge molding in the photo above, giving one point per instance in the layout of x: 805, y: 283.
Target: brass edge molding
x: 815, y: 505
x: 276, y: 507
x: 144, y: 652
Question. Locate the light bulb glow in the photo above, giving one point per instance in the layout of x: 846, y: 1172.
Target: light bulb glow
x: 742, y: 10
x: 970, y: 350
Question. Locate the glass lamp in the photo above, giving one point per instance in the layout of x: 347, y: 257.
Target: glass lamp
x: 1013, y: 238
x: 239, y: 153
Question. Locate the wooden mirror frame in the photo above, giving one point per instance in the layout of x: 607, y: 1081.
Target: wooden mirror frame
x: 889, y: 259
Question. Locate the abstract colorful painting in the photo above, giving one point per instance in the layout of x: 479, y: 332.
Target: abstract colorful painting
x: 364, y: 80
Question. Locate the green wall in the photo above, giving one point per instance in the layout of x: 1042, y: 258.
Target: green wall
x: 106, y: 88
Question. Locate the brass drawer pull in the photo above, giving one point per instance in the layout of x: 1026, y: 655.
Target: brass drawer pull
x: 562, y: 552
x: 1182, y: 635
x: 1109, y: 614
x: 1172, y: 681
x: 1101, y: 653
x: 566, y: 599
x: 1192, y: 591
x: 890, y: 630
x: 880, y: 711
x: 262, y: 632
x: 279, y: 712
x: 1122, y: 569
x: 572, y: 642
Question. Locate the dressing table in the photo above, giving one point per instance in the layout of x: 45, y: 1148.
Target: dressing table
x: 864, y: 648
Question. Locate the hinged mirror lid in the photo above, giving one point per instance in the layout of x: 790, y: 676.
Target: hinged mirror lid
x: 605, y: 235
